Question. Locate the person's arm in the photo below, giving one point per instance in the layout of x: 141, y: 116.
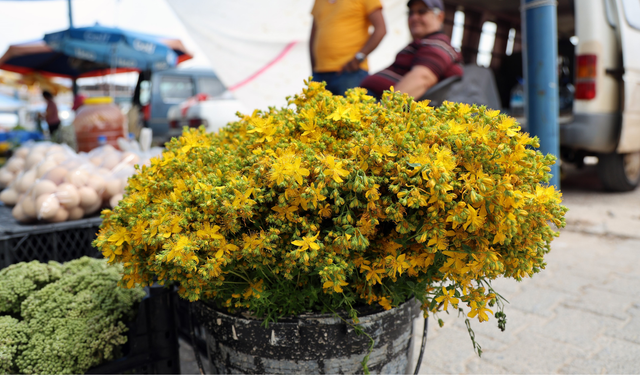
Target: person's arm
x: 379, y: 31
x: 417, y: 81
x: 312, y: 41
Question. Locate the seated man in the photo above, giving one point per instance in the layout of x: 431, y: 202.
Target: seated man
x: 427, y: 60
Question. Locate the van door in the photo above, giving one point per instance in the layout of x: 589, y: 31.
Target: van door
x: 629, y: 29
x: 168, y: 89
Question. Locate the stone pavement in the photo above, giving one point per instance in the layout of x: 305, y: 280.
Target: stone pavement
x: 188, y: 363
x: 579, y: 315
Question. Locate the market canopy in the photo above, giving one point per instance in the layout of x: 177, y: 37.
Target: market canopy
x: 115, y: 47
x: 57, y: 61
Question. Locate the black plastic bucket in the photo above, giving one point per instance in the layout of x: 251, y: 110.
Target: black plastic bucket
x: 309, y: 344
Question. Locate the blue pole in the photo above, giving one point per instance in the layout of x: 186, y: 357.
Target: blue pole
x: 70, y: 15
x: 74, y: 82
x: 540, y: 56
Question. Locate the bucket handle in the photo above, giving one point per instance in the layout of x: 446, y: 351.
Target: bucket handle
x: 424, y: 343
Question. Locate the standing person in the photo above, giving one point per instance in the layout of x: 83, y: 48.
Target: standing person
x: 51, y: 114
x: 429, y: 59
x: 340, y: 41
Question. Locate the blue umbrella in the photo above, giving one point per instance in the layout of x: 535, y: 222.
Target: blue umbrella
x: 114, y: 47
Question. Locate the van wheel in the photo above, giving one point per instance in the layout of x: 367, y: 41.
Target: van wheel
x: 619, y: 172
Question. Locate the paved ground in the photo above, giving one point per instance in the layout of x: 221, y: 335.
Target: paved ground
x: 580, y: 315
x: 188, y: 363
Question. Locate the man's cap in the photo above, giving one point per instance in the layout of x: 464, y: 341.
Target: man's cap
x: 430, y: 3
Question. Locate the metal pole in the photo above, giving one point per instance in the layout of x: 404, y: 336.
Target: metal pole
x: 540, y: 60
x: 70, y: 15
x: 114, y: 51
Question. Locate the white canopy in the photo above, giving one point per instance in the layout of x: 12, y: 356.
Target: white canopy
x: 260, y: 49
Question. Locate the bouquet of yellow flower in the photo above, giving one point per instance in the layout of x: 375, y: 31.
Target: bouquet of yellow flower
x: 336, y: 202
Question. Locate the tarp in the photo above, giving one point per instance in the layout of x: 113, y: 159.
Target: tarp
x: 260, y: 49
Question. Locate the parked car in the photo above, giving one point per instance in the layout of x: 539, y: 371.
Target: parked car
x: 211, y: 112
x: 157, y: 92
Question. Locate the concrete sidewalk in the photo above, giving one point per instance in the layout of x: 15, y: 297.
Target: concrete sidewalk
x: 579, y: 315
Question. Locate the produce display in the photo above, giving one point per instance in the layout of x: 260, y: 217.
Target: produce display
x: 50, y: 182
x: 62, y: 318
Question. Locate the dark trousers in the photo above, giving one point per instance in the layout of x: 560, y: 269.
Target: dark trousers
x: 53, y: 128
x: 338, y: 83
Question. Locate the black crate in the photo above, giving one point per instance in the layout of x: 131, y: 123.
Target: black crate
x: 152, y: 346
x: 182, y: 324
x: 61, y: 242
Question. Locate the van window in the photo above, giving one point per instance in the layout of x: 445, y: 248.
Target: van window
x: 510, y: 41
x: 210, y: 86
x: 632, y: 12
x: 458, y: 30
x: 487, y: 41
x: 175, y: 88
x: 610, y: 10
x: 145, y: 92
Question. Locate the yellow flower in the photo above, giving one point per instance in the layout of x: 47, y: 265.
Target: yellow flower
x: 448, y: 297
x: 397, y: 264
x: 384, y: 302
x: 473, y: 218
x: 341, y: 112
x: 209, y: 232
x: 374, y: 275
x: 109, y: 253
x: 294, y: 169
x: 242, y: 199
x: 334, y: 169
x: 337, y: 286
x: 508, y: 125
x: 177, y: 250
x: 480, y: 311
x: 325, y: 211
x: 307, y: 242
x: 120, y: 236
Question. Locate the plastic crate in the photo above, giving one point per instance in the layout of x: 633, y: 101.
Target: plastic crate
x: 22, y: 136
x: 152, y: 346
x: 61, y: 242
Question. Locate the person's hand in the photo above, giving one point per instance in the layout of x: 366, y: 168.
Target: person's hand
x: 352, y: 66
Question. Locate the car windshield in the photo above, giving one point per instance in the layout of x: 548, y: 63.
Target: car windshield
x: 210, y: 86
x: 176, y: 88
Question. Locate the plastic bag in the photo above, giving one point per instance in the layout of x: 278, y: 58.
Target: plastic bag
x: 40, y: 158
x: 68, y: 191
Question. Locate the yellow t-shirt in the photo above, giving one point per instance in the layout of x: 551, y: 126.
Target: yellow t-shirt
x: 342, y: 28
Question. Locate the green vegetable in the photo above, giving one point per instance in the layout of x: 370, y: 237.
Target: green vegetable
x: 74, y: 323
x: 13, y: 338
x: 20, y: 280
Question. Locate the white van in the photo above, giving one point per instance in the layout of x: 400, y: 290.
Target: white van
x: 599, y: 74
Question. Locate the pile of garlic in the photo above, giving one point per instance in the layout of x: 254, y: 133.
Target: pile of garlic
x: 55, y: 184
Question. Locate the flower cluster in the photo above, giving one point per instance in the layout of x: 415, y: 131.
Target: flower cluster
x: 335, y: 202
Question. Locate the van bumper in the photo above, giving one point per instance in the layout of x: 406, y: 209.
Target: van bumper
x: 595, y: 132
